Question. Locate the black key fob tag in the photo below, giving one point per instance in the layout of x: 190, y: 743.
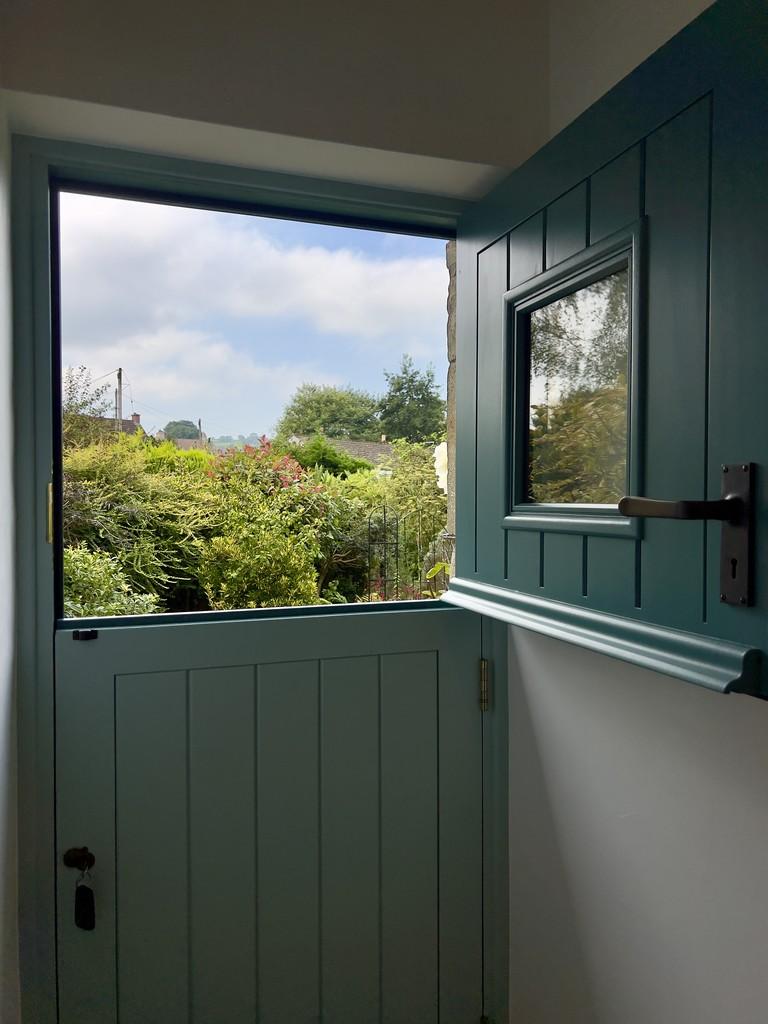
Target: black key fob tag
x: 85, y: 905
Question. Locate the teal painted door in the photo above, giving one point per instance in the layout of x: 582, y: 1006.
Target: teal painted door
x: 674, y: 157
x: 286, y: 816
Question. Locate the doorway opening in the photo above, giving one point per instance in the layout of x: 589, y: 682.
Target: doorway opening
x: 253, y: 411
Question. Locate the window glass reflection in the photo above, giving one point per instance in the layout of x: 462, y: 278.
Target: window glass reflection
x: 577, y: 398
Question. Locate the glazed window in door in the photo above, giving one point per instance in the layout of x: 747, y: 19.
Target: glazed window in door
x: 236, y: 430
x: 574, y: 346
x: 578, y: 406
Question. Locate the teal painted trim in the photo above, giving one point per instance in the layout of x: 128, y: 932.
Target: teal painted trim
x: 84, y: 167
x: 34, y: 587
x: 718, y: 665
x: 37, y: 165
x: 251, y: 614
x: 156, y: 647
x: 623, y: 250
x: 563, y: 519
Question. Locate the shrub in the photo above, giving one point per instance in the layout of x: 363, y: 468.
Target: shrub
x: 249, y: 528
x: 166, y: 456
x: 95, y: 584
x: 260, y: 557
x: 321, y: 453
x: 121, y: 498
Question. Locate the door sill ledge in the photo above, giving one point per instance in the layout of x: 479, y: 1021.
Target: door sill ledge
x: 719, y: 665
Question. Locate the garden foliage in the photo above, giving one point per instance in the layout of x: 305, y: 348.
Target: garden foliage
x: 149, y: 527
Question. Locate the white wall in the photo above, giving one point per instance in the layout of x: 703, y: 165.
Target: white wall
x: 9, y: 983
x: 638, y: 838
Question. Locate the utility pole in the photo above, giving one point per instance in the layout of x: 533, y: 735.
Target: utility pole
x: 200, y: 430
x: 119, y: 402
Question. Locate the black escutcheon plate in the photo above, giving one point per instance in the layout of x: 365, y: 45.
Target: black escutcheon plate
x: 736, y: 540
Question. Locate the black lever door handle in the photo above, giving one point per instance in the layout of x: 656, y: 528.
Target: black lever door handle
x: 729, y: 509
x: 734, y: 509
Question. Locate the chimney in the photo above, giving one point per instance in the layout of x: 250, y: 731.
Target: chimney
x: 136, y: 418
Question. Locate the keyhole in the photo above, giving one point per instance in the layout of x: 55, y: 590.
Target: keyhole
x: 734, y: 563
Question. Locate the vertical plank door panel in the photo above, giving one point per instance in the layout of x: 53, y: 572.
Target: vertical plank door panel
x: 152, y: 848
x: 677, y: 205
x: 526, y: 259
x: 460, y: 822
x: 526, y: 250
x: 738, y: 424
x: 492, y: 279
x: 616, y: 199
x: 85, y: 706
x: 564, y: 565
x: 615, y: 195
x: 524, y: 560
x: 349, y: 858
x: 566, y: 234
x: 409, y: 838
x: 567, y: 225
x: 222, y: 845
x: 288, y: 842
x: 611, y: 583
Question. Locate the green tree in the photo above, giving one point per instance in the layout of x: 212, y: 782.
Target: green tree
x: 335, y: 412
x: 412, y: 408
x: 178, y: 430
x: 84, y: 408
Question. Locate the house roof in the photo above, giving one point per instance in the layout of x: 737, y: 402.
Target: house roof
x: 372, y: 451
x: 190, y: 443
x: 110, y: 423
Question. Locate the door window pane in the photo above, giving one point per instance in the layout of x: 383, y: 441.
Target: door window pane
x: 577, y: 395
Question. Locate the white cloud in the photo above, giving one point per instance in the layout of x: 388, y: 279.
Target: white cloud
x: 129, y: 260
x: 151, y: 288
x: 176, y: 374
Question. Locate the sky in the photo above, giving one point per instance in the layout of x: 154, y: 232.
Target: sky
x: 221, y: 316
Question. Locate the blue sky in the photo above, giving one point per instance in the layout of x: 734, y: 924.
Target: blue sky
x: 221, y: 316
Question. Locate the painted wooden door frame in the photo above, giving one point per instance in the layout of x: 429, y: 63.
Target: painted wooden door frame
x: 36, y: 164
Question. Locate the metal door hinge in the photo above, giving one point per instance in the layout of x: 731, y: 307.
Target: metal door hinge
x: 49, y: 514
x: 485, y: 685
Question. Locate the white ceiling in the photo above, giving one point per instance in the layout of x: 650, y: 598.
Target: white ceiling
x: 436, y: 96
x: 75, y: 120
